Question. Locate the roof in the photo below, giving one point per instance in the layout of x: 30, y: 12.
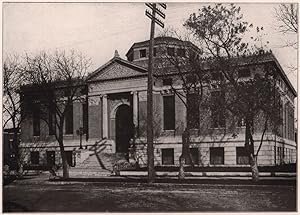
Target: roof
x: 260, y: 58
x: 117, y: 59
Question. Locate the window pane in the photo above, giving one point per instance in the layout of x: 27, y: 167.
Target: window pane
x: 171, y: 51
x: 181, y: 52
x: 85, y: 118
x: 216, y: 155
x: 69, y: 120
x: 242, y: 156
x: 169, y: 112
x: 142, y: 53
x: 217, y: 76
x: 154, y: 52
x: 195, y: 155
x: 69, y: 155
x: 167, y: 82
x: 244, y: 73
x: 50, y: 158
x: 217, y: 109
x: 36, y: 119
x: 34, y: 157
x: 167, y: 156
x: 193, y: 111
x: 51, y: 123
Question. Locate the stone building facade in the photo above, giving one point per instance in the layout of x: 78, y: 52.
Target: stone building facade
x: 116, y: 110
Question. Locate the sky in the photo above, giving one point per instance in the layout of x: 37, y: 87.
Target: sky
x: 98, y: 29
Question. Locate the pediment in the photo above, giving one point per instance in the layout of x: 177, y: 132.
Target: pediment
x: 116, y: 70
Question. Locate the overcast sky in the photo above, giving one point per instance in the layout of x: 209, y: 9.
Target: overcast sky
x: 97, y: 29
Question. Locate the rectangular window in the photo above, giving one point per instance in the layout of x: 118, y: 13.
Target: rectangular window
x: 195, y: 155
x: 191, y: 79
x: 216, y: 76
x: 181, y: 52
x: 244, y: 73
x: 50, y: 158
x: 34, y: 157
x: 36, y: 119
x: 167, y: 81
x: 154, y: 52
x: 216, y: 155
x: 167, y: 156
x: 217, y: 109
x: 70, y: 160
x: 67, y: 92
x: 69, y: 119
x: 242, y: 156
x: 169, y: 112
x: 193, y: 111
x: 171, y: 51
x: 142, y: 53
x: 51, y: 122
x: 85, y: 118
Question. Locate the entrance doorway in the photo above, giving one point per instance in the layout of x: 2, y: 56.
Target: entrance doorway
x: 124, y: 128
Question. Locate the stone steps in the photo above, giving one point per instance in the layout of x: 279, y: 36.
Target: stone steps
x: 95, y: 161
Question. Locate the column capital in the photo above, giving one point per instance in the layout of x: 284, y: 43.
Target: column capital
x: 134, y: 92
x: 103, y: 95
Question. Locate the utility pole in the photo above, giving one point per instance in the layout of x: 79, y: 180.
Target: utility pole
x: 150, y: 147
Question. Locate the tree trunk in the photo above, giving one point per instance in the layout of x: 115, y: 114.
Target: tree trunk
x: 254, y: 168
x: 249, y: 144
x: 186, y: 146
x: 65, y: 164
x: 181, y: 168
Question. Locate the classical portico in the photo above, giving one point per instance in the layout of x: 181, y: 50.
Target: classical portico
x: 114, y: 91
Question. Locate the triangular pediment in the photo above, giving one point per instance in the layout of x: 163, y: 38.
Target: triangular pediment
x: 116, y: 69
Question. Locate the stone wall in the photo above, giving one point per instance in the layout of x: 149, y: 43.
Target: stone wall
x: 266, y: 155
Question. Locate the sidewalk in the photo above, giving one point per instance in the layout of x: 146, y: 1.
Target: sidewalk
x: 43, y: 178
x: 205, y: 174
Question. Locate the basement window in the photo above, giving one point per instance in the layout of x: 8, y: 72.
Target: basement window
x: 242, y: 156
x: 195, y: 155
x: 70, y: 160
x: 167, y: 156
x: 216, y: 155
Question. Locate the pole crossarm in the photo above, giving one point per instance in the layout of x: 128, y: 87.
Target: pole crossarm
x: 160, y: 13
x: 156, y: 20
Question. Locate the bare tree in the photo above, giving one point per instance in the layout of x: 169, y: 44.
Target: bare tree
x: 12, y: 80
x: 184, y: 73
x: 287, y: 17
x: 221, y: 30
x: 56, y: 81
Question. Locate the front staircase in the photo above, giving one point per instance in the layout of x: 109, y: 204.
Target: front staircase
x: 95, y: 162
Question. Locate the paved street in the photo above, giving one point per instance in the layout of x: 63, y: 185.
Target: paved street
x: 137, y: 197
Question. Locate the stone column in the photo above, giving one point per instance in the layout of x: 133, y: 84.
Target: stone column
x: 135, y: 108
x: 104, y: 117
